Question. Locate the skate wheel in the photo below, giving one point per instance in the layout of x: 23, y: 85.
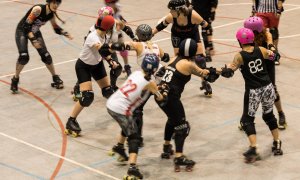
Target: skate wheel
x: 201, y: 88
x: 177, y: 169
x: 75, y: 98
x: 121, y: 159
x: 75, y: 134
x: 67, y: 132
x: 240, y: 127
x: 111, y: 153
x: 52, y: 85
x: 189, y: 168
x: 126, y: 177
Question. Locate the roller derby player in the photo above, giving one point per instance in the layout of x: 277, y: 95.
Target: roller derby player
x: 122, y: 104
x: 185, y: 22
x: 258, y: 89
x: 95, y: 48
x: 177, y: 73
x: 29, y: 29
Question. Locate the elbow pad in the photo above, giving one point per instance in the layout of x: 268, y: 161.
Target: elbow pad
x: 58, y: 30
x: 104, y: 50
x: 166, y: 57
x: 128, y: 31
x: 161, y: 26
x: 119, y: 46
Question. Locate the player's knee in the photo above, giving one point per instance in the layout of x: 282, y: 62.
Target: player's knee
x: 133, y: 143
x: 46, y: 58
x: 270, y: 120
x: 23, y: 58
x: 200, y: 61
x: 87, y: 97
x: 107, y: 91
x: 247, y: 123
x: 182, y: 130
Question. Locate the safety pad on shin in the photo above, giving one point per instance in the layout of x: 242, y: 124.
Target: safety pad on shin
x: 247, y: 123
x: 270, y: 120
x: 87, y: 97
x: 107, y: 91
x: 134, y: 143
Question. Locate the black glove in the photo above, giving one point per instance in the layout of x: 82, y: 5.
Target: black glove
x: 160, y: 72
x: 212, y: 76
x: 227, y: 72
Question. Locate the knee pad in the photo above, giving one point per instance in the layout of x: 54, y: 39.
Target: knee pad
x: 46, y: 57
x: 87, y: 97
x: 23, y: 58
x: 182, y: 130
x: 270, y: 120
x: 107, y: 91
x: 200, y: 61
x: 134, y: 143
x: 124, y: 53
x: 247, y: 123
x: 115, y: 73
x: 275, y: 33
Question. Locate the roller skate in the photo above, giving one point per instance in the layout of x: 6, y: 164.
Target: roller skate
x: 168, y: 151
x: 72, y: 127
x: 183, y: 161
x: 206, y: 86
x: 127, y: 69
x: 251, y: 155
x: 281, y: 122
x: 76, y: 92
x: 276, y: 148
x: 119, y: 148
x: 14, y: 85
x: 133, y: 173
x: 57, y: 82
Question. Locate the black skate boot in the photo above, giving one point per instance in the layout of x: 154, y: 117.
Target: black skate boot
x: 76, y: 92
x: 14, y: 85
x: 168, y: 151
x: 133, y: 173
x: 72, y: 127
x: 251, y: 155
x: 127, y: 69
x: 276, y: 148
x: 281, y: 122
x: 57, y: 82
x: 206, y: 86
x: 119, y: 148
x: 183, y: 161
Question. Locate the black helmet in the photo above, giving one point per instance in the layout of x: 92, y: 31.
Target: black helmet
x: 57, y: 1
x: 188, y: 48
x: 150, y: 63
x: 176, y: 4
x: 144, y: 32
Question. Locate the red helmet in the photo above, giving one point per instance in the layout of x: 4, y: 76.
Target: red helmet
x: 105, y: 23
x: 111, y: 1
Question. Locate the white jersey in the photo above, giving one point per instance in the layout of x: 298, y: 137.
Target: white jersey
x: 148, y: 50
x: 88, y: 53
x: 130, y: 95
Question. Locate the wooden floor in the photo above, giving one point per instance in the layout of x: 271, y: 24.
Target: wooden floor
x: 32, y: 142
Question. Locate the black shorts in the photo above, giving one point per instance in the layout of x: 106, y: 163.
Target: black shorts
x: 176, y: 38
x: 85, y: 72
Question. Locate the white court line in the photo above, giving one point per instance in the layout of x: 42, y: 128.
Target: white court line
x: 59, y: 156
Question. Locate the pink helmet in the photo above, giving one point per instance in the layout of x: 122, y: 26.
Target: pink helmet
x: 245, y: 36
x: 104, y: 11
x: 254, y: 23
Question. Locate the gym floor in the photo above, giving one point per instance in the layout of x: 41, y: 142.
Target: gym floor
x: 33, y: 144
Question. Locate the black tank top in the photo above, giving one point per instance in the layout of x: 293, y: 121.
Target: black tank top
x: 254, y: 69
x: 39, y: 21
x: 175, y: 79
x: 190, y: 28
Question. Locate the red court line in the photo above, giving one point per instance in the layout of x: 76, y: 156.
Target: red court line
x: 58, y: 120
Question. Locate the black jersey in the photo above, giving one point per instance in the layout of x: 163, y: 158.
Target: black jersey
x: 39, y: 21
x: 203, y: 7
x: 187, y: 31
x: 254, y: 69
x: 174, y: 78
